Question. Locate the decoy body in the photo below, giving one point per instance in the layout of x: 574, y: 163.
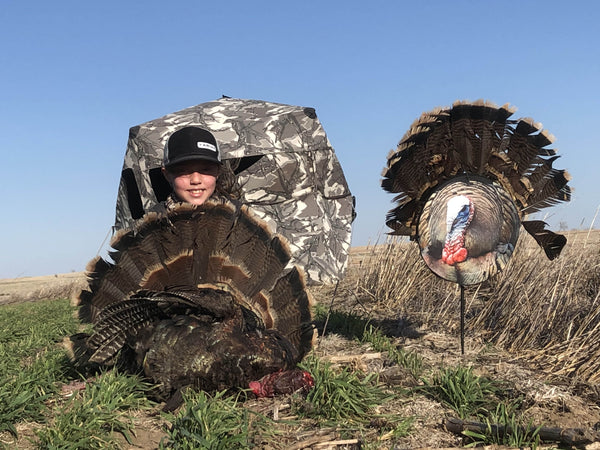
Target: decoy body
x: 201, y: 297
x: 466, y: 178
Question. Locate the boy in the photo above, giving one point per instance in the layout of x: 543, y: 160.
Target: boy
x: 192, y: 165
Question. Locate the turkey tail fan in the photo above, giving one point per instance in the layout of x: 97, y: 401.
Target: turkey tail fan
x: 181, y: 257
x: 472, y: 138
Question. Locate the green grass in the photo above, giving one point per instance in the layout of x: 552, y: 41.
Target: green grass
x: 504, y: 427
x: 462, y: 391
x: 31, y: 362
x: 216, y: 422
x: 351, y: 399
x: 516, y: 432
x: 342, y: 323
x: 479, y: 398
x: 342, y: 399
x: 381, y: 343
x: 342, y: 394
x: 90, y: 419
x: 33, y: 366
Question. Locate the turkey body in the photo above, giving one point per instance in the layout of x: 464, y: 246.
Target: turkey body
x: 205, y: 348
x: 199, y: 298
x: 197, y: 351
x: 469, y: 229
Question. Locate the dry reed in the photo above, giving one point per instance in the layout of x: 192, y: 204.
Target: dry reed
x: 547, y: 310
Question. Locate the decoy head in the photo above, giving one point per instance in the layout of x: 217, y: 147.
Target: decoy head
x: 459, y: 213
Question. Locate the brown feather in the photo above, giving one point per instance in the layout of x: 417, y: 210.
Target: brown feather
x: 551, y: 242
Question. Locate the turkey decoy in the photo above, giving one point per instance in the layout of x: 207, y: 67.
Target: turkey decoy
x: 466, y: 177
x: 200, y: 297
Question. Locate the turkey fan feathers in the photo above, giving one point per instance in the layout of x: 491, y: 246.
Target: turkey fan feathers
x: 201, y: 296
x: 501, y: 166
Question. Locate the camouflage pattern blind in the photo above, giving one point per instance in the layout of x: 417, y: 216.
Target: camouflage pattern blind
x: 293, y: 179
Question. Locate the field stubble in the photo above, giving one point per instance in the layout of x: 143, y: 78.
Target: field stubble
x: 545, y: 311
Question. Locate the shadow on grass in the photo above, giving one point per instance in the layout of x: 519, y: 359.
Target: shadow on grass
x: 352, y: 326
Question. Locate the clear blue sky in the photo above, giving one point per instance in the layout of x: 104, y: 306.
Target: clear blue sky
x: 76, y: 75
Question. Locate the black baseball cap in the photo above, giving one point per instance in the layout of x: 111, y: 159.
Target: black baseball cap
x: 189, y: 144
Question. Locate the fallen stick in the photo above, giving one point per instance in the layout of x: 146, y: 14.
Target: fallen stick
x: 336, y: 443
x: 312, y: 441
x: 569, y: 436
x: 350, y: 358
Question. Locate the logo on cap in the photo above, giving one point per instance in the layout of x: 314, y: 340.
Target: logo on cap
x: 206, y: 146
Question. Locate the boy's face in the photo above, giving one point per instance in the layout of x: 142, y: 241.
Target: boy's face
x: 193, y: 181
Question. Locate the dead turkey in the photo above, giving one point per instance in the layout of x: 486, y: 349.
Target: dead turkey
x: 466, y: 177
x: 201, y: 297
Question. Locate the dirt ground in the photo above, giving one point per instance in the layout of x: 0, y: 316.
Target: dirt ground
x: 561, y: 404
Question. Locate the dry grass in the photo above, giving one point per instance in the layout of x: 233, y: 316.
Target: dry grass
x: 546, y: 310
x: 29, y: 289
